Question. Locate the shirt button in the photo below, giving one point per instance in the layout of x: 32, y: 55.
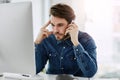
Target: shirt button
x: 61, y: 57
x: 63, y: 47
x: 76, y: 49
x: 62, y: 68
x: 49, y: 54
x: 75, y: 58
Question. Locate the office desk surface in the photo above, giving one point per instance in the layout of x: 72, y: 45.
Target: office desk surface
x: 41, y: 76
x: 61, y: 77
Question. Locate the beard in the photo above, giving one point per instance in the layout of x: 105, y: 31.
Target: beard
x: 60, y: 36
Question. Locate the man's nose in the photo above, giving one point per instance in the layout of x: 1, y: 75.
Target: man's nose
x: 55, y: 29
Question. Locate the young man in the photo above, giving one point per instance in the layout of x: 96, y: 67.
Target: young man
x: 68, y: 50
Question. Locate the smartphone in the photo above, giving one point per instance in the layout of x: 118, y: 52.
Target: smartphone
x: 67, y: 35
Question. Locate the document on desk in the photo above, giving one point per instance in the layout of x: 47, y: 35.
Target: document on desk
x: 41, y: 76
x: 16, y: 76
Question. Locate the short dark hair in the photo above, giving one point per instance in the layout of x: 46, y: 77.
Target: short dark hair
x: 62, y: 11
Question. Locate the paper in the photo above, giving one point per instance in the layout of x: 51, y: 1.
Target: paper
x: 16, y: 76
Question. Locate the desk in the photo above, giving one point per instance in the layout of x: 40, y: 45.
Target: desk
x: 41, y: 76
x: 61, y: 77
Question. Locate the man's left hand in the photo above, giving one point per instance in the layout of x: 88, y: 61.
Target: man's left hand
x: 73, y: 32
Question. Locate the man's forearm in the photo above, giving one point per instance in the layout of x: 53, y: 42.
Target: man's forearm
x: 85, y: 62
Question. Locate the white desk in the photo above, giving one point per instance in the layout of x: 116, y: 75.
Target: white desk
x: 41, y: 76
x: 14, y: 76
x: 63, y: 77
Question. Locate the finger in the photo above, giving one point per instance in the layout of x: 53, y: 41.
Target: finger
x: 67, y: 31
x: 44, y: 30
x: 46, y: 25
x: 69, y: 28
x: 45, y: 34
x: 50, y: 32
x: 70, y: 25
x: 74, y: 25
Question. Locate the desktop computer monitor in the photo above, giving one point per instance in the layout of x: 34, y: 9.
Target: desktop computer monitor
x: 16, y: 38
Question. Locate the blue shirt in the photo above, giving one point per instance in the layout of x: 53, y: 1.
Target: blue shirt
x: 65, y: 58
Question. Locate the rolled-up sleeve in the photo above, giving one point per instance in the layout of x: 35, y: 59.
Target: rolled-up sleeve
x: 86, y: 58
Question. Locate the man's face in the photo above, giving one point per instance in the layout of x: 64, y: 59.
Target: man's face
x: 59, y: 26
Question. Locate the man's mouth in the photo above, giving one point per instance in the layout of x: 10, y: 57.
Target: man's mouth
x: 58, y: 34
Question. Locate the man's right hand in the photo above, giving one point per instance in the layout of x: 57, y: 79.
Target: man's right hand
x: 43, y: 33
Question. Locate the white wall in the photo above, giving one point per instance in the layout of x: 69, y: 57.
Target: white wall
x: 41, y: 12
x: 37, y: 14
x: 78, y: 7
x: 61, y: 1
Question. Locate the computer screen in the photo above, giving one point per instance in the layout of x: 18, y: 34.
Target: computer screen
x: 16, y: 38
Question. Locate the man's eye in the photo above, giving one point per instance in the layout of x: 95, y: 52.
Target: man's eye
x: 60, y: 25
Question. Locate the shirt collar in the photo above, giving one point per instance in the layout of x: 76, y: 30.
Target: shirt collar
x: 58, y: 42
x: 67, y: 41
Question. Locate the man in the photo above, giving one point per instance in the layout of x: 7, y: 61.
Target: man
x: 68, y: 50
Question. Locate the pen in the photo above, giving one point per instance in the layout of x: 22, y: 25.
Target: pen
x: 25, y: 75
x: 1, y: 75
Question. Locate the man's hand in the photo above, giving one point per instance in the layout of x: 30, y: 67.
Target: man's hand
x: 43, y: 33
x: 73, y: 31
